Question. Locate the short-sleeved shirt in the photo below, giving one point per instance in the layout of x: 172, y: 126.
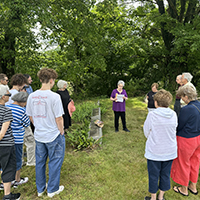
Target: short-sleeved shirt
x: 44, y: 106
x: 150, y: 99
x: 119, y: 106
x: 5, y: 116
x: 20, y: 121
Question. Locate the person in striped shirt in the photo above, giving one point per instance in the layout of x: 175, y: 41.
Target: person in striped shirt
x: 20, y: 121
x: 7, y: 148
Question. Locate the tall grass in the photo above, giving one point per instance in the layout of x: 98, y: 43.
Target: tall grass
x: 117, y: 170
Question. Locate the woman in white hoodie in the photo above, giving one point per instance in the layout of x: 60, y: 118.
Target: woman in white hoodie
x: 161, y: 146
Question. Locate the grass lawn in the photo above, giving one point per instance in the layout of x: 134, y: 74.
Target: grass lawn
x: 115, y: 171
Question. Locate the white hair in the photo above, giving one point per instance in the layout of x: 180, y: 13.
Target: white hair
x: 121, y: 82
x: 61, y: 84
x: 179, y: 77
x: 187, y: 90
x: 3, y: 90
x: 187, y: 76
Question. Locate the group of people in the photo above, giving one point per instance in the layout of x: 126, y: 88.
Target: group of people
x: 173, y: 140
x: 172, y: 146
x: 45, y: 110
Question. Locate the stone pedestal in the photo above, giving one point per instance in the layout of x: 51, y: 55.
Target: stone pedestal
x: 95, y: 131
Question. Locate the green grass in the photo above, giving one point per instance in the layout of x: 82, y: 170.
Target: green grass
x: 114, y: 171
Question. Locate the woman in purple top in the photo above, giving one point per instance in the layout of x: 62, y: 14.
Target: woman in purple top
x: 119, y: 97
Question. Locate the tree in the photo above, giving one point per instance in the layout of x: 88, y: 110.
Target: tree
x: 18, y: 18
x: 177, y: 22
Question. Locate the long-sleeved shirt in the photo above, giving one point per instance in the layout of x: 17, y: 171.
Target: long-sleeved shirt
x: 160, y: 131
x: 189, y: 120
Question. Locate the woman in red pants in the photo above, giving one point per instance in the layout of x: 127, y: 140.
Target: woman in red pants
x: 185, y: 168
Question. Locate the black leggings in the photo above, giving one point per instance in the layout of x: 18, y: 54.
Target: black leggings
x: 123, y: 118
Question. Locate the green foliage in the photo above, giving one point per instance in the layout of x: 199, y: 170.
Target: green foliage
x: 101, y: 42
x: 77, y: 136
x: 17, y: 38
x: 83, y: 112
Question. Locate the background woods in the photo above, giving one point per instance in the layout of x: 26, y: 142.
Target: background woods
x: 93, y: 44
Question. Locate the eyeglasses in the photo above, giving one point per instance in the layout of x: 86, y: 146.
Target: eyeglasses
x: 6, y: 80
x: 9, y: 95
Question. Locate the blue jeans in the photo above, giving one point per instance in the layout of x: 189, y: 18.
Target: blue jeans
x: 18, y: 151
x: 55, y: 151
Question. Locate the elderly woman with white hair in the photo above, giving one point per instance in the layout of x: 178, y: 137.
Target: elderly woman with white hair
x: 65, y: 97
x: 185, y: 168
x: 119, y: 97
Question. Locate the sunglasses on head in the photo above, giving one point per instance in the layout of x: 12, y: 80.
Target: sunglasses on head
x: 7, y: 95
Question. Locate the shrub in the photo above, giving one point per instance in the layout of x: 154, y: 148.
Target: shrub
x: 78, y: 137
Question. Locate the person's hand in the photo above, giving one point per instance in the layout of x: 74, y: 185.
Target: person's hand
x: 125, y: 98
x: 62, y: 133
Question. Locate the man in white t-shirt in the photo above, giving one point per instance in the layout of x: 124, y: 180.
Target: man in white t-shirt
x: 45, y: 110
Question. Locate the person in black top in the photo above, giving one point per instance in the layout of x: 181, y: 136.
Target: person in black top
x: 154, y: 90
x: 65, y: 97
x: 177, y: 105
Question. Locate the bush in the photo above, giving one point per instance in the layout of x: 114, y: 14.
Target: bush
x: 83, y: 112
x: 78, y: 137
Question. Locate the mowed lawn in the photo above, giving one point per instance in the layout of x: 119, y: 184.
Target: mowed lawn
x: 116, y: 170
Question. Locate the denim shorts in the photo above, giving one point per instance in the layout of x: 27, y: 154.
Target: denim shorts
x: 18, y: 151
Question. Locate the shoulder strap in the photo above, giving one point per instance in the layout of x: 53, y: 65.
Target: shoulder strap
x: 196, y: 107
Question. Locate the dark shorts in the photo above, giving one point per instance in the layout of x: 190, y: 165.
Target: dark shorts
x: 18, y: 151
x: 159, y: 175
x: 8, y: 163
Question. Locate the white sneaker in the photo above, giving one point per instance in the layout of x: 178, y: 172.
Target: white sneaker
x: 41, y: 193
x: 1, y: 186
x: 31, y: 164
x: 61, y: 188
x: 22, y: 181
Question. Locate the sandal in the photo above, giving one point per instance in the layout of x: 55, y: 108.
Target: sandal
x: 176, y: 189
x: 195, y: 193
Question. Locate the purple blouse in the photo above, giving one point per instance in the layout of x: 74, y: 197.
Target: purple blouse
x: 118, y: 106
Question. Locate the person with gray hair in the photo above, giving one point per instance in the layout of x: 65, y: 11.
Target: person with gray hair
x: 121, y: 82
x: 186, y: 80
x: 20, y: 121
x: 66, y: 99
x: 119, y: 97
x: 7, y: 146
x: 177, y: 105
x: 187, y: 76
x: 62, y: 84
x: 185, y: 168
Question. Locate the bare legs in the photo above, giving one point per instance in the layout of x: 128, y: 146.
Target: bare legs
x: 193, y: 186
x: 7, y: 188
x: 17, y: 175
x: 161, y: 195
x: 184, y: 189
